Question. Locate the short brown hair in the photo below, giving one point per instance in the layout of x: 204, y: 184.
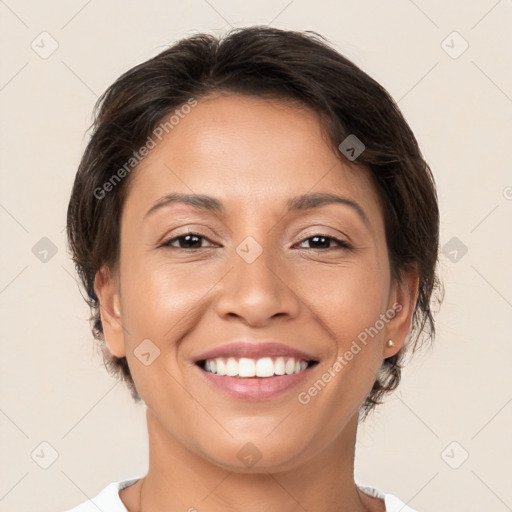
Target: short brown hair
x: 262, y: 62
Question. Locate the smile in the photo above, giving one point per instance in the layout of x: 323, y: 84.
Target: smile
x: 264, y: 367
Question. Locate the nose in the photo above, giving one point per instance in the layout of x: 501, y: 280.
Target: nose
x: 257, y: 291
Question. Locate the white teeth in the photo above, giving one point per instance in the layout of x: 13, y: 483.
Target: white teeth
x: 221, y: 367
x: 231, y: 367
x: 263, y: 367
x: 246, y: 368
x: 290, y: 366
x: 279, y: 366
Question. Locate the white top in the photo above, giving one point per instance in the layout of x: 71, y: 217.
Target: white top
x: 108, y: 500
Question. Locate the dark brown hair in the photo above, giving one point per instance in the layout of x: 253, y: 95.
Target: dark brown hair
x: 273, y: 63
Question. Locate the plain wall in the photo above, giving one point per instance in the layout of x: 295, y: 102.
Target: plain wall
x: 53, y: 385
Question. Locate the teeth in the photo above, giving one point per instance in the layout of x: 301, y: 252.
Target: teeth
x: 221, y: 367
x: 290, y: 366
x: 231, y: 367
x: 246, y: 368
x: 264, y: 367
x: 279, y: 366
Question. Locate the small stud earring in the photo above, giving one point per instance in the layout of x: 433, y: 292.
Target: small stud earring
x: 390, y: 343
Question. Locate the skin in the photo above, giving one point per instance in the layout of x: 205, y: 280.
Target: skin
x: 252, y: 155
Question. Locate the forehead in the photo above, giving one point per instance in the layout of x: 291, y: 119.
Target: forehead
x: 238, y: 147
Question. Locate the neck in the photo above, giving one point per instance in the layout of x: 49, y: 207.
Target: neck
x: 179, y: 480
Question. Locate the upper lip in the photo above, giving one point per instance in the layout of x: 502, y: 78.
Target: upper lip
x: 254, y: 350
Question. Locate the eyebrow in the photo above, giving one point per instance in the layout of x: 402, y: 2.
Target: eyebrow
x: 298, y: 203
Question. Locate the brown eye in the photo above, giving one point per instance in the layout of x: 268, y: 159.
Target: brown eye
x: 186, y: 241
x: 321, y: 241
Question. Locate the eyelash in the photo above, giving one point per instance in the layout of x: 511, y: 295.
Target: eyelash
x: 341, y: 243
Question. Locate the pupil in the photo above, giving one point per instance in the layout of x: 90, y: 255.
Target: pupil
x: 316, y: 238
x: 188, y: 241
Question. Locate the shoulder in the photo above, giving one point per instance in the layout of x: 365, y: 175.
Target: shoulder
x: 108, y: 500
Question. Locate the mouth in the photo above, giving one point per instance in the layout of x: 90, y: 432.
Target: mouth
x: 250, y: 370
x: 263, y: 368
x: 255, y: 380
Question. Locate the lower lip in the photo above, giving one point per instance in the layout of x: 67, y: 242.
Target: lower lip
x: 255, y: 388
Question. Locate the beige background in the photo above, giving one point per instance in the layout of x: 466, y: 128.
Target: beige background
x: 54, y: 387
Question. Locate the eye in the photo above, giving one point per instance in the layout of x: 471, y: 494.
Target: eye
x: 186, y: 241
x: 190, y: 241
x: 321, y: 241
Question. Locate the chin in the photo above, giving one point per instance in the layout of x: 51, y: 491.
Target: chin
x: 258, y: 454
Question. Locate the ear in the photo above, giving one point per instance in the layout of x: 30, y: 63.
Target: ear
x: 403, y: 297
x: 107, y: 291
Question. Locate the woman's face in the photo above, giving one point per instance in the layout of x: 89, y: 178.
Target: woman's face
x: 262, y: 268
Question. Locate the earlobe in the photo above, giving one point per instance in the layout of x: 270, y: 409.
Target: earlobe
x: 403, y: 303
x: 105, y: 286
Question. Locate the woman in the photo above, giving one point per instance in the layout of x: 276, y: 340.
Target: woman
x: 257, y: 233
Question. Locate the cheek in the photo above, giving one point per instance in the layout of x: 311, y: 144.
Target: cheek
x: 347, y: 299
x: 160, y: 299
x: 349, y: 305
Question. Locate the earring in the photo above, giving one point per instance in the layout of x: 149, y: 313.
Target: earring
x: 390, y: 343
